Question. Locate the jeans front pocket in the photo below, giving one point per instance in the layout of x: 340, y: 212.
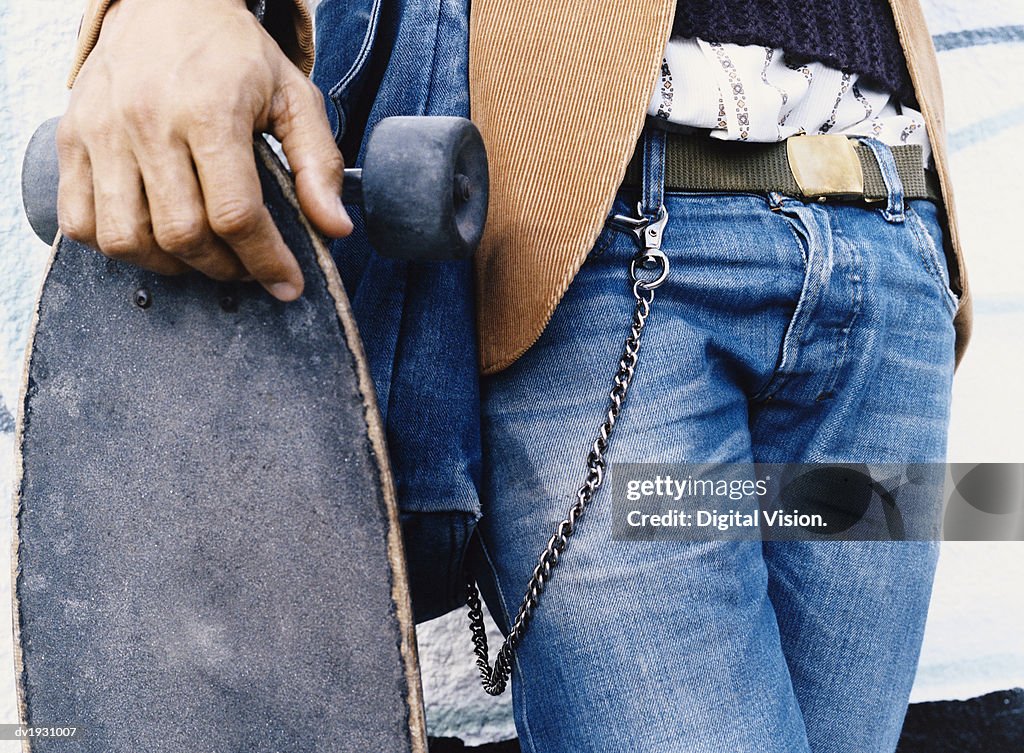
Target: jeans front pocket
x: 923, y: 222
x: 346, y: 31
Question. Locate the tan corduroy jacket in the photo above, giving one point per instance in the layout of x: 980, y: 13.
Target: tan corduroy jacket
x: 560, y: 91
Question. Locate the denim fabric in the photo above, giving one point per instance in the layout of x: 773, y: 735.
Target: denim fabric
x: 785, y: 332
x: 894, y: 209
x: 375, y: 59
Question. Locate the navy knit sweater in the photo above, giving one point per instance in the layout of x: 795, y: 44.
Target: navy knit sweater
x: 858, y: 36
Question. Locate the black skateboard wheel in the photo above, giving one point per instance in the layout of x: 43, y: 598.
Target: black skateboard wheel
x: 425, y: 187
x: 39, y: 175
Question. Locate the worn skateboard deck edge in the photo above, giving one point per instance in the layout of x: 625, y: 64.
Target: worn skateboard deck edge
x: 19, y: 431
x: 400, y: 595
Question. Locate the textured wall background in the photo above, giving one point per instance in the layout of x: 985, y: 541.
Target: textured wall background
x: 974, y: 642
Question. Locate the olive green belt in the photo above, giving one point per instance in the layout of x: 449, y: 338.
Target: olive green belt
x: 818, y: 168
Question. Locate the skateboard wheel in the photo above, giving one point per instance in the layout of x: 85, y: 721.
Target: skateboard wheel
x: 425, y: 188
x: 39, y: 178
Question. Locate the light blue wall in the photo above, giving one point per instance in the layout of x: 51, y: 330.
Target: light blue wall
x: 974, y: 642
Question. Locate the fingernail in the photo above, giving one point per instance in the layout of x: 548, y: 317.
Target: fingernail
x: 283, y: 291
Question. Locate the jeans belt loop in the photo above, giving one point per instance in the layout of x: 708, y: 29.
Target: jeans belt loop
x: 895, y: 210
x: 653, y: 191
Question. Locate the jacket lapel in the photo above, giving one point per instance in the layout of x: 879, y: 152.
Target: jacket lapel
x: 559, y: 91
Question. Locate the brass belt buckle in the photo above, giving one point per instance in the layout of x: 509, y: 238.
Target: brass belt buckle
x: 825, y: 166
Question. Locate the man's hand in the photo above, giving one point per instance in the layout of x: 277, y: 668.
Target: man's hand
x: 156, y: 160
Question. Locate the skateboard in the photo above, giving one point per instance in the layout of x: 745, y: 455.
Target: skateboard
x: 207, y: 549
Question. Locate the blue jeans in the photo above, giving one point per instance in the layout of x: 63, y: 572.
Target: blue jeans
x: 786, y: 332
x: 376, y: 59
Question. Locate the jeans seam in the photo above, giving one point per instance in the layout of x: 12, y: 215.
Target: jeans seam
x: 856, y: 304
x: 502, y: 601
x: 715, y: 194
x: 780, y: 374
x: 928, y: 254
x: 336, y: 92
x: 433, y: 60
x: 802, y: 244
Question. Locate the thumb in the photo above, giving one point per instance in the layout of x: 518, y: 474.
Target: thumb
x: 298, y: 121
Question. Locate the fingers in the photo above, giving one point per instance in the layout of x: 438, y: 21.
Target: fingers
x: 76, y: 213
x: 117, y: 222
x: 168, y: 180
x: 298, y: 121
x: 164, y: 214
x: 178, y: 215
x: 122, y: 224
x: 233, y: 201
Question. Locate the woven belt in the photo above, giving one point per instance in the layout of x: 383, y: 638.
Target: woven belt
x: 819, y: 168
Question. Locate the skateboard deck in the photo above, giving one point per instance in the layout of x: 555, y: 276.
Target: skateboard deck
x: 207, y: 549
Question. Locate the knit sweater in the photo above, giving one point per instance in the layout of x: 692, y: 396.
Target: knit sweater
x: 858, y: 36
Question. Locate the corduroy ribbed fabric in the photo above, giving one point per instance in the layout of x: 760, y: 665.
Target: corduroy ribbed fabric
x: 559, y: 92
x: 858, y: 36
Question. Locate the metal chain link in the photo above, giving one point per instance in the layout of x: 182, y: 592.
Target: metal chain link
x: 495, y: 678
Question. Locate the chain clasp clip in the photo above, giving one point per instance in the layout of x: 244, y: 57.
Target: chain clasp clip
x: 648, y: 232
